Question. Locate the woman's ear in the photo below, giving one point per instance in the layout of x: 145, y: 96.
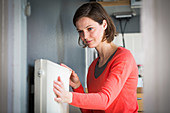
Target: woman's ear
x: 104, y: 24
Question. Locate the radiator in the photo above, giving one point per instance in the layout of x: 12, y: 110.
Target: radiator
x: 44, y: 75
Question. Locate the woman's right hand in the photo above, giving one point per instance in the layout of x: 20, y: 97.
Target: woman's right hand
x: 74, y: 79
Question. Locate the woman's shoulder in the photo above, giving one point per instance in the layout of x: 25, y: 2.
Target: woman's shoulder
x: 123, y: 56
x: 122, y: 50
x: 123, y: 53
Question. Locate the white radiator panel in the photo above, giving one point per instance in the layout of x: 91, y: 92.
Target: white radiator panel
x: 45, y: 73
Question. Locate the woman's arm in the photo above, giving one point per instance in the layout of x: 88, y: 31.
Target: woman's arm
x: 81, y: 90
x: 118, y: 75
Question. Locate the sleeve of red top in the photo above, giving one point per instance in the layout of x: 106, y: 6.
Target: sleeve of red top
x: 118, y: 75
x: 81, y: 90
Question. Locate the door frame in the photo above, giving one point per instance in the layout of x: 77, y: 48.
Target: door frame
x: 13, y: 84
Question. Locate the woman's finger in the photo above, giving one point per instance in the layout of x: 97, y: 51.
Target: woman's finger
x: 72, y: 84
x: 59, y: 79
x: 59, y: 100
x: 58, y: 83
x: 66, y: 66
x: 74, y: 74
x: 57, y: 87
x: 58, y: 93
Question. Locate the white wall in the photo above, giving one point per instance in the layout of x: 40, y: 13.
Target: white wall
x: 156, y: 35
x: 133, y: 42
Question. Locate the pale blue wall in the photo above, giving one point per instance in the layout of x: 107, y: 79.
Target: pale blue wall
x: 52, y: 35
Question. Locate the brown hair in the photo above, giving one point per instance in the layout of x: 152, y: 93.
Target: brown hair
x: 96, y: 12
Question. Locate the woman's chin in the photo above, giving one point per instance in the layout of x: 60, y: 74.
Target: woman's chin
x: 91, y: 46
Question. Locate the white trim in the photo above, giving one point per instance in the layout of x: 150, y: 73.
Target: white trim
x: 13, y: 57
x: 90, y: 55
x: 3, y: 58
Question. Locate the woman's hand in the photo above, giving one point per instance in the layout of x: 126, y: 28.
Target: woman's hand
x: 74, y: 79
x: 62, y: 96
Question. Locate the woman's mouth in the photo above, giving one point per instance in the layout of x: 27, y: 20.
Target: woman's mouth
x: 88, y: 41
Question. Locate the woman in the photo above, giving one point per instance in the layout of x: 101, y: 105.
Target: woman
x: 112, y: 77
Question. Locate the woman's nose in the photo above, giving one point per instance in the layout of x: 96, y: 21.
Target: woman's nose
x: 86, y: 35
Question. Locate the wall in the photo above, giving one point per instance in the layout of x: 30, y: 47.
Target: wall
x: 133, y: 25
x: 134, y: 43
x: 52, y: 35
x: 155, y: 28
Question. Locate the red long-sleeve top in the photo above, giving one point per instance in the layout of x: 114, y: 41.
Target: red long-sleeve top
x: 114, y: 91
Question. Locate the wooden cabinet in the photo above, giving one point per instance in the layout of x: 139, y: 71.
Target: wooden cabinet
x: 115, y: 3
x: 140, y: 99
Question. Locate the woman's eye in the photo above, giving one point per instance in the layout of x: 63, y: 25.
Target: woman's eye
x: 89, y: 29
x: 80, y: 32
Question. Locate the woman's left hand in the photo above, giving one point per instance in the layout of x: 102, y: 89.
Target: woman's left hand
x: 62, y: 96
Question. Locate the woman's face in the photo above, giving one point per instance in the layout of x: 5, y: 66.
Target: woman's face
x: 91, y: 32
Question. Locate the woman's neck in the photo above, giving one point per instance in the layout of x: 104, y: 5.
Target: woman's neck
x: 105, y: 50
